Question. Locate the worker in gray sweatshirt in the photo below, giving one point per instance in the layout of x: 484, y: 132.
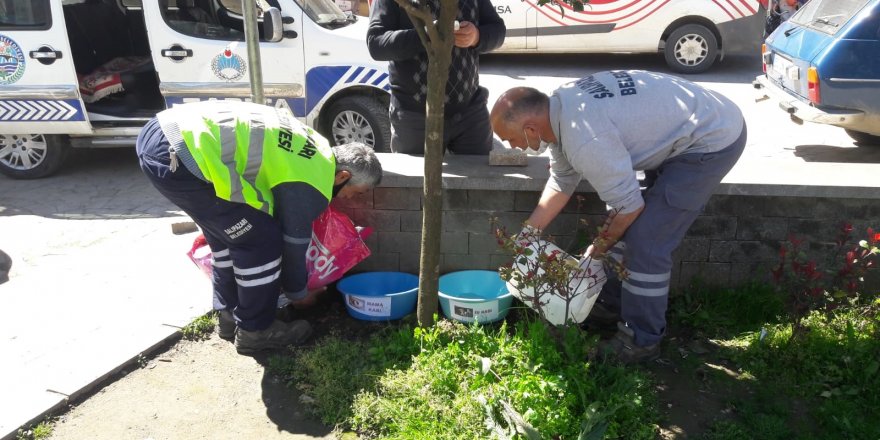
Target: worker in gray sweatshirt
x: 605, y: 128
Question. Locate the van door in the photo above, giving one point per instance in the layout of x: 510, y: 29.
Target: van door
x: 39, y: 93
x: 199, y: 51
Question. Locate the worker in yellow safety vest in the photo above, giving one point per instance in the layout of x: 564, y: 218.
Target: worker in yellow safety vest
x: 254, y: 179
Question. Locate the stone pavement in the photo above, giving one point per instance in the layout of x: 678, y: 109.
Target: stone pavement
x: 98, y: 278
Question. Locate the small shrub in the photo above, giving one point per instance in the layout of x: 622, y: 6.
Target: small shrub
x: 200, y: 328
x: 39, y: 432
x: 810, y: 285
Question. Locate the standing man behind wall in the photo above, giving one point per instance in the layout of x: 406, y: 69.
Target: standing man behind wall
x: 254, y: 179
x: 391, y: 37
x: 605, y: 127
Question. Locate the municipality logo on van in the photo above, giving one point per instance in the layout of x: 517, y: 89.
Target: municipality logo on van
x: 228, y: 65
x: 11, y: 61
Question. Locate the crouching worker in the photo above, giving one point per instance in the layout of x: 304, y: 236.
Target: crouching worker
x: 604, y: 128
x: 254, y: 179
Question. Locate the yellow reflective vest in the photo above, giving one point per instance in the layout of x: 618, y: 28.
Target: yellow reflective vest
x: 247, y: 149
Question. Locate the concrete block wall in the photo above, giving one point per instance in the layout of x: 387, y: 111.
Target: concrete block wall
x: 735, y: 240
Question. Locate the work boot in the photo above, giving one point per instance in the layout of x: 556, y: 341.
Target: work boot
x: 602, y: 317
x: 623, y: 348
x: 279, y: 335
x: 225, y: 325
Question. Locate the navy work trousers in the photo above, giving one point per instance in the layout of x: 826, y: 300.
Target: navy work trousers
x: 245, y: 242
x: 680, y: 190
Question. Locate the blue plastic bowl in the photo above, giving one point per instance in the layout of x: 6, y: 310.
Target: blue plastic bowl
x: 474, y: 295
x: 379, y: 296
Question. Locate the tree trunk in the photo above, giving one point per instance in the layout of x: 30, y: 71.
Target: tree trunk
x: 438, y: 40
x: 432, y: 227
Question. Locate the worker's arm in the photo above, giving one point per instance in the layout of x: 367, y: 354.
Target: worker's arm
x: 549, y: 206
x: 615, y: 228
x: 297, y: 205
x: 390, y: 35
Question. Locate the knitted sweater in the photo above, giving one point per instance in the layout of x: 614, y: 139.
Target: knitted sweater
x: 391, y: 37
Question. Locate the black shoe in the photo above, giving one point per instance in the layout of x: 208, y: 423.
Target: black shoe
x: 225, y: 325
x: 602, y: 317
x: 279, y: 335
x: 623, y: 348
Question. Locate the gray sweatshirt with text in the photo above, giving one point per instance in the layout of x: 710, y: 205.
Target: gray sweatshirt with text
x: 611, y: 124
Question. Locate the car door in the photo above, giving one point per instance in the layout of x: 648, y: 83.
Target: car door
x: 200, y: 53
x: 39, y: 93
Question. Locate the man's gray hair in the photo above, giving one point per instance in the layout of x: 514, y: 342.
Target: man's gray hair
x: 359, y: 160
x: 530, y: 102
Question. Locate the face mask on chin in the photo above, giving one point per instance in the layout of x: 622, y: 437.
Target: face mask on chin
x: 542, y: 146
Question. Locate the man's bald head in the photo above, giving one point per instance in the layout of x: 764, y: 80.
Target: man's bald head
x: 520, y: 103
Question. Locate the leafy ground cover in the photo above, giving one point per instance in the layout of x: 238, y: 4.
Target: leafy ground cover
x: 820, y: 385
x: 522, y: 379
x: 729, y: 364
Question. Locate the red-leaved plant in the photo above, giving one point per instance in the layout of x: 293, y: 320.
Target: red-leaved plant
x: 541, y: 270
x: 808, y: 286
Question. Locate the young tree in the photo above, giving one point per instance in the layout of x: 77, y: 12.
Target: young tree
x: 437, y: 37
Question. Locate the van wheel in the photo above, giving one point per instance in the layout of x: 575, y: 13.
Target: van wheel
x: 359, y: 119
x: 31, y: 156
x: 691, y: 48
x: 863, y: 138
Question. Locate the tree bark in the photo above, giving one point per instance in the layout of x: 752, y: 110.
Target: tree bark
x: 438, y: 40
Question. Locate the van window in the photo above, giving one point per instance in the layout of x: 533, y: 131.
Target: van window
x: 197, y: 18
x: 828, y: 15
x: 24, y: 14
x: 325, y: 13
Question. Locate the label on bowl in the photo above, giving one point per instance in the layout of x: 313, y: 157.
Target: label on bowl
x: 487, y: 311
x: 369, y: 305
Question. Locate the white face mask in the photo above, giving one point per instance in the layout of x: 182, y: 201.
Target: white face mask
x: 542, y: 146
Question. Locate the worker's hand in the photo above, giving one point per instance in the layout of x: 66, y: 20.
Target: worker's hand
x: 467, y: 35
x: 310, y: 300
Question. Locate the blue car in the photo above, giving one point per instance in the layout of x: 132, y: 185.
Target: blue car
x: 823, y: 66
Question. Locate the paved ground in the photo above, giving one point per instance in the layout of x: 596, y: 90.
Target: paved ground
x: 98, y: 278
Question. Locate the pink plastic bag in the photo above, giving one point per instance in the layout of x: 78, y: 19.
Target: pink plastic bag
x: 337, y: 246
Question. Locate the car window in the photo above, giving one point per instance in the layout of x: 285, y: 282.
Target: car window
x: 828, y: 16
x: 25, y: 14
x: 325, y: 13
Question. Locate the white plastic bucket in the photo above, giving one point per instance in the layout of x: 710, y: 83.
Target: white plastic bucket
x: 586, y: 283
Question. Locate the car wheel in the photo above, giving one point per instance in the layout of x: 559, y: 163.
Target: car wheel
x: 359, y: 119
x: 31, y: 156
x: 691, y: 48
x: 863, y: 138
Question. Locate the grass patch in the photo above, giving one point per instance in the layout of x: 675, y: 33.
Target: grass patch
x: 822, y: 385
x: 456, y: 381
x: 39, y: 432
x: 726, y: 312
x: 200, y: 328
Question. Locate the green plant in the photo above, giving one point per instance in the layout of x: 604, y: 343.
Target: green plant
x: 726, y: 430
x: 200, y: 328
x: 39, y: 432
x: 809, y: 286
x: 724, y: 312
x: 834, y: 366
x: 473, y: 381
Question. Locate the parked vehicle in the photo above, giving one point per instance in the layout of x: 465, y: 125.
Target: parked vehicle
x: 92, y: 72
x: 822, y: 66
x: 691, y: 34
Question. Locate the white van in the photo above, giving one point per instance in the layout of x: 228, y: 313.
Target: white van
x: 92, y: 72
x: 692, y: 34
